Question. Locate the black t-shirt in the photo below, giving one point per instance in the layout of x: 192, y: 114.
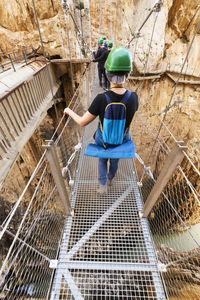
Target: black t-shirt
x: 99, y: 104
x: 101, y: 56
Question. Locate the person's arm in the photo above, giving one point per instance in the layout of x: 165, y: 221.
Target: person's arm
x: 82, y: 121
x: 98, y: 53
x: 99, y: 58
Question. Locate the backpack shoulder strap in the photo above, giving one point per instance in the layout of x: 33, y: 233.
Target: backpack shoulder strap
x: 108, y: 99
x: 126, y: 97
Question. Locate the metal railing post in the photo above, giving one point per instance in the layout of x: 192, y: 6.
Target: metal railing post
x: 34, y: 53
x: 56, y: 173
x: 173, y: 159
x: 11, y: 62
x: 24, y: 54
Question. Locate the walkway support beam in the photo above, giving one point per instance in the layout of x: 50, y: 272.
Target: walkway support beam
x: 52, y: 158
x: 173, y: 159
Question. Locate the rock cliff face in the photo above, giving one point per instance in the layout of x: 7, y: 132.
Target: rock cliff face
x: 161, y: 48
x: 174, y: 26
x: 18, y: 27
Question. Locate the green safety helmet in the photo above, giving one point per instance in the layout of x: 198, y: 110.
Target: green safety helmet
x: 103, y: 37
x: 100, y: 41
x: 119, y: 59
x: 110, y: 44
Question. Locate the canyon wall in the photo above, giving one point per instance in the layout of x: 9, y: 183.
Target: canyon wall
x: 164, y: 38
x: 161, y: 48
x: 164, y: 41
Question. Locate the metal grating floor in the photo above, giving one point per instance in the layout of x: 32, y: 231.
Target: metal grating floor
x: 106, y: 251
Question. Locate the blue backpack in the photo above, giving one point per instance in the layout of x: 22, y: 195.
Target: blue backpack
x: 113, y: 132
x: 113, y: 129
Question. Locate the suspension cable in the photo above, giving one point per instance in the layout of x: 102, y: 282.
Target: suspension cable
x: 156, y: 8
x: 66, y: 9
x: 23, y: 219
x: 111, y: 20
x: 146, y: 62
x: 69, y: 105
x: 188, y: 230
x: 70, y: 54
x: 182, y: 259
x: 24, y: 241
x: 5, y: 224
x: 47, y: 67
x: 194, y: 191
x: 193, y: 165
x: 179, y: 217
x: 177, y: 81
x: 27, y: 245
x: 100, y: 16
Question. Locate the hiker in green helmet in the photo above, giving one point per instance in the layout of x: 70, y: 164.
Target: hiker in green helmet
x: 107, y: 82
x: 105, y: 42
x: 118, y: 66
x: 101, y: 57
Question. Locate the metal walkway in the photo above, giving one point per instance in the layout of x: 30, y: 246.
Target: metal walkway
x: 106, y: 251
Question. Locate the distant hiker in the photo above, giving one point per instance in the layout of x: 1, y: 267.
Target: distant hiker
x: 101, y: 57
x: 104, y: 41
x: 107, y: 82
x: 119, y: 100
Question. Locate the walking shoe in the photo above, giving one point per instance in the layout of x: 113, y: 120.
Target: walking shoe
x: 110, y: 182
x: 102, y: 189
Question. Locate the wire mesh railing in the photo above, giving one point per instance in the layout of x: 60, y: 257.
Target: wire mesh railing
x: 174, y: 219
x: 32, y: 229
x: 33, y: 239
x: 171, y: 195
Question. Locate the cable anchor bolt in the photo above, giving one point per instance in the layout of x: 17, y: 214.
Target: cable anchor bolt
x: 71, y: 182
x: 65, y: 6
x: 157, y: 6
x: 78, y: 146
x: 53, y: 263
x: 137, y: 34
x: 162, y: 267
x: 140, y: 213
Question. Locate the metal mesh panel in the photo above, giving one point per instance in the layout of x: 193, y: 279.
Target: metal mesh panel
x: 33, y: 242
x: 176, y: 238
x: 119, y: 238
x: 106, y: 251
x: 174, y: 219
x: 104, y: 284
x: 33, y: 227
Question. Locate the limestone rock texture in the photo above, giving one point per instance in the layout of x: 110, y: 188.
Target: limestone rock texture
x: 168, y: 43
x: 164, y: 38
x: 168, y: 38
x: 18, y: 27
